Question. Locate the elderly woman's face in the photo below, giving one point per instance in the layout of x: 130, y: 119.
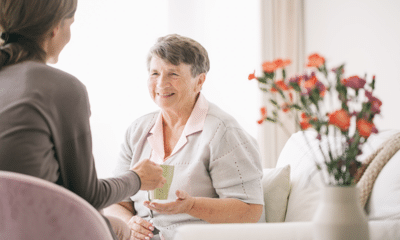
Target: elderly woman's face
x: 173, y: 87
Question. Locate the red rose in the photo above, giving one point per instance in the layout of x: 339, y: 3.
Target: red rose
x: 354, y: 82
x: 375, y: 102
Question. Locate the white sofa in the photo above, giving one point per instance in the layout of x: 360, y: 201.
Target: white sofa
x: 292, y: 191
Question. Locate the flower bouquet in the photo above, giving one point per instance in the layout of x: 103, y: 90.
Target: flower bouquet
x: 329, y: 103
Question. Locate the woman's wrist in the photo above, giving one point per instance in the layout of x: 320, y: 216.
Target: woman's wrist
x: 191, y: 206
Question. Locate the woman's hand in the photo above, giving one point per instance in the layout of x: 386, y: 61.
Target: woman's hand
x: 183, y: 204
x: 140, y: 228
x: 150, y: 174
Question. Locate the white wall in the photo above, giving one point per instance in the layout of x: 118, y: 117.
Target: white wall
x: 365, y: 35
x: 109, y: 45
x: 230, y: 31
x: 107, y: 52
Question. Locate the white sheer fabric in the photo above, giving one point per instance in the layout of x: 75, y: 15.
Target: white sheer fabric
x: 282, y: 37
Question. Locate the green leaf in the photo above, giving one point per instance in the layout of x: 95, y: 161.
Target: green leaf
x: 274, y: 102
x: 314, y: 97
x: 262, y: 80
x: 295, y: 106
x: 281, y: 93
x: 303, y: 100
x: 269, y: 75
x: 295, y: 86
x: 372, y: 85
x: 263, y: 89
x: 271, y: 120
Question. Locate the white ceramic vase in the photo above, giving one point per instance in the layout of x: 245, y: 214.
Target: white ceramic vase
x: 340, y: 216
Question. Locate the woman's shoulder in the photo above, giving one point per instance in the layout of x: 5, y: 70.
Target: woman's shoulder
x: 38, y: 81
x: 143, y: 123
x: 217, y: 116
x: 41, y: 78
x: 221, y: 125
x: 43, y: 74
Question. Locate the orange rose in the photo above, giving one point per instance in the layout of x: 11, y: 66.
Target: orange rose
x: 252, y: 75
x: 364, y: 127
x: 304, y: 124
x: 315, y: 60
x: 269, y: 67
x: 263, y: 111
x: 341, y: 119
x: 310, y: 83
x: 282, y: 63
x: 281, y: 85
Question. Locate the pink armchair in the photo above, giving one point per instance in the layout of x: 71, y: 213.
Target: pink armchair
x: 32, y: 208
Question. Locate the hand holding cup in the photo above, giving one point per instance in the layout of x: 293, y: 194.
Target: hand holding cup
x: 150, y: 174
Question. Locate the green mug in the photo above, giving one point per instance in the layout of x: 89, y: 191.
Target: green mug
x: 162, y: 193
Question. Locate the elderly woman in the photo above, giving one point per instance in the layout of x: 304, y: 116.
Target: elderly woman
x: 217, y: 169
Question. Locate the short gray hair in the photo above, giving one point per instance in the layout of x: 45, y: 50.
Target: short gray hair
x: 177, y: 49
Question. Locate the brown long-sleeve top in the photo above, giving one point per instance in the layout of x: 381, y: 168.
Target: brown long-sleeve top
x: 45, y: 132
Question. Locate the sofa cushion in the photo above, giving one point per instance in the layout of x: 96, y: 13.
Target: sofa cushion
x: 276, y: 187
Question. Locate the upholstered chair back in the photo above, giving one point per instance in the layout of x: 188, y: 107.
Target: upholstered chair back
x: 32, y: 208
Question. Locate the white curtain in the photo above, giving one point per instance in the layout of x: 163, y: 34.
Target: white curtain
x: 282, y: 37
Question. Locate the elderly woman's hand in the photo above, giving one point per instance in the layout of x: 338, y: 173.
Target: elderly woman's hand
x: 140, y: 228
x: 183, y: 204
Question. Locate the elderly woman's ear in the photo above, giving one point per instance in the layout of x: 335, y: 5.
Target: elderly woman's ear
x: 201, y: 79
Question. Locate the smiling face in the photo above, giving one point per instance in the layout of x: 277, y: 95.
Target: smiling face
x: 172, y: 87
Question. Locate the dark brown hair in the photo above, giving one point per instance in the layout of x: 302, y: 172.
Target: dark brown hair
x: 177, y: 49
x: 31, y: 21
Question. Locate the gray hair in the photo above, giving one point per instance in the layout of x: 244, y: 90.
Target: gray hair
x: 177, y: 49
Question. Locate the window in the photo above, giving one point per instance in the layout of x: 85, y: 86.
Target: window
x: 108, y: 50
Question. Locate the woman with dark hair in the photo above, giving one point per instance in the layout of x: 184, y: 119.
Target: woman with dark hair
x: 44, y: 112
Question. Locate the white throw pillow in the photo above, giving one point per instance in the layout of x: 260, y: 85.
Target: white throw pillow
x: 276, y: 188
x: 306, y: 182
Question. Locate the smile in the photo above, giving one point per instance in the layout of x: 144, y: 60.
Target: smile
x: 165, y: 94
